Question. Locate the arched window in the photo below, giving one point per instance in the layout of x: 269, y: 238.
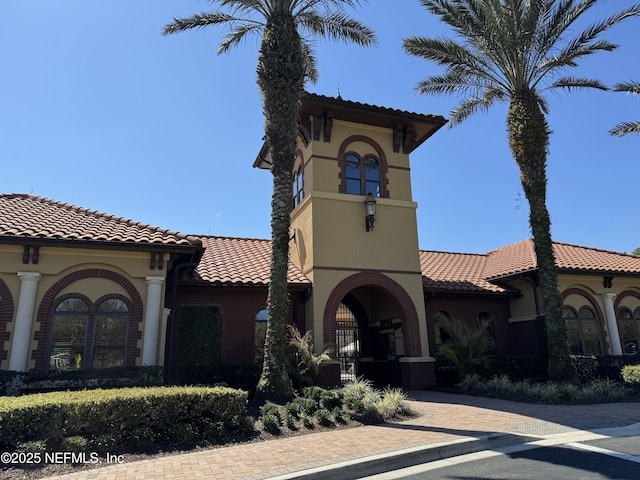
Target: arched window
x: 297, y: 186
x: 442, y: 323
x: 70, y: 321
x: 83, y: 339
x: 362, y: 175
x: 110, y: 340
x: 260, y: 334
x: 486, y: 320
x: 629, y: 329
x: 583, y: 327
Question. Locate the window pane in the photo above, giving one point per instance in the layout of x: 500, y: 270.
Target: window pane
x: 373, y: 188
x: 352, y: 166
x: 260, y: 334
x: 573, y: 330
x: 113, y: 305
x: 72, y: 305
x: 110, y: 339
x: 625, y: 313
x: 586, y: 312
x: 371, y: 169
x: 108, y: 357
x: 353, y: 187
x: 592, y: 347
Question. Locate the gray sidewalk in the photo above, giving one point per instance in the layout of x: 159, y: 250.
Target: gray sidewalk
x: 446, y: 425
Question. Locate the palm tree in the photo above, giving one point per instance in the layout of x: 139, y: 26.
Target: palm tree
x: 285, y: 61
x: 513, y: 51
x: 626, y: 128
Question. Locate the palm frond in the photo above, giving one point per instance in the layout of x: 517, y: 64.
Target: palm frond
x: 629, y: 87
x: 473, y: 104
x: 569, y: 83
x: 625, y: 128
x: 238, y: 34
x: 311, y: 72
x: 198, y: 20
x: 337, y: 26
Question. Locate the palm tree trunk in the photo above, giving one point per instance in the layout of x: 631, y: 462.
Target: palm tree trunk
x: 529, y: 141
x: 281, y: 80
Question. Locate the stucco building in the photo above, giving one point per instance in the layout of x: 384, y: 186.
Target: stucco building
x: 84, y: 289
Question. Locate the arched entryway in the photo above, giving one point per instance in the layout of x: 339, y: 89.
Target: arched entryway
x: 373, y: 323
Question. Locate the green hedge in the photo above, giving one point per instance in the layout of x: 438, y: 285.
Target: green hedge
x: 131, y: 419
x: 18, y: 383
x: 631, y: 374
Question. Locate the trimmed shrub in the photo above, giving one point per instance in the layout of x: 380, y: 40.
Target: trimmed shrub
x: 125, y: 418
x: 11, y: 383
x: 586, y: 367
x: 19, y: 383
x: 271, y: 418
x: 610, y: 366
x: 198, y: 344
x: 631, y: 374
x: 517, y: 367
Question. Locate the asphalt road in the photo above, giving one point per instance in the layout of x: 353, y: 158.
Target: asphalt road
x: 610, y: 458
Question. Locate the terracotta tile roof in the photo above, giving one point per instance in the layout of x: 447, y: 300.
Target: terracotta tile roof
x: 456, y: 272
x: 240, y: 261
x: 520, y: 258
x: 32, y: 217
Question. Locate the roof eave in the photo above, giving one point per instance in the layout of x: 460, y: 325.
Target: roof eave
x: 194, y: 244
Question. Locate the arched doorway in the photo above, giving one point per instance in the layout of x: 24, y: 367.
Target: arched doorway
x: 373, y: 324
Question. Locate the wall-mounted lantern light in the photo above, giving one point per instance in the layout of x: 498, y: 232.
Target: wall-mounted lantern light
x: 370, y: 203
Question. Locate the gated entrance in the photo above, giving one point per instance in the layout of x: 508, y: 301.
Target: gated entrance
x: 347, y: 343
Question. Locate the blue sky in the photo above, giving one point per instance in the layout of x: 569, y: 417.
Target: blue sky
x: 99, y: 110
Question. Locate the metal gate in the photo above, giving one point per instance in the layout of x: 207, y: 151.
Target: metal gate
x: 347, y: 343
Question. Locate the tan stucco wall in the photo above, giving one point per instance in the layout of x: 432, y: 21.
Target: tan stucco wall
x: 56, y: 263
x: 591, y: 289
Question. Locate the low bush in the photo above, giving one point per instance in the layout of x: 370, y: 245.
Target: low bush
x: 611, y: 366
x: 631, y: 374
x: 130, y: 419
x: 595, y: 391
x: 20, y: 383
x: 586, y: 367
x: 271, y: 418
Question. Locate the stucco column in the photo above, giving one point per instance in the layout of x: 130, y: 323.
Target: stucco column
x: 21, y: 337
x: 612, y: 324
x: 152, y: 320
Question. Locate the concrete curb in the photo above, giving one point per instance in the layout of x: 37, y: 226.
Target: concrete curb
x: 398, y: 459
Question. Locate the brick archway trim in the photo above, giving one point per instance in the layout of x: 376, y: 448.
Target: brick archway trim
x: 372, y: 278
x: 6, y: 316
x: 384, y: 166
x: 621, y: 295
x: 45, y: 311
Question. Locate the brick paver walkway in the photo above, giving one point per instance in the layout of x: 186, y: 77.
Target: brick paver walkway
x: 442, y: 418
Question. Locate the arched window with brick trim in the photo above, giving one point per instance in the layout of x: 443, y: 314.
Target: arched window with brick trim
x: 89, y: 336
x: 585, y: 333
x: 362, y: 175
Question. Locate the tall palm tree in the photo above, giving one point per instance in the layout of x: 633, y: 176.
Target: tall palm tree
x: 626, y: 128
x: 285, y: 61
x: 514, y: 51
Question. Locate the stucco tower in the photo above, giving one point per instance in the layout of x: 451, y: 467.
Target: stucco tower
x: 367, y: 298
